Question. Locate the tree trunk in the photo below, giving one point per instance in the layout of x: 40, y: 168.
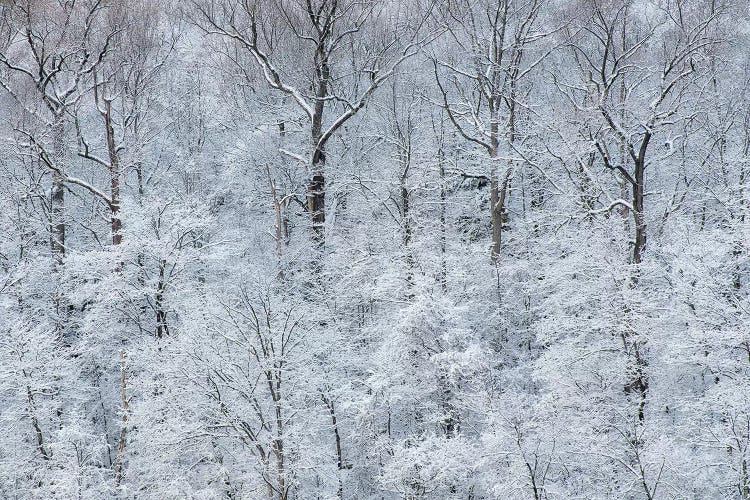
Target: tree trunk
x: 35, y: 421
x: 57, y: 228
x: 443, y: 197
x: 161, y: 315
x: 337, y: 436
x: 406, y: 229
x: 124, y: 425
x: 273, y: 379
x: 496, y: 216
x: 57, y: 212
x: 640, y: 225
x: 316, y: 197
x: 316, y: 194
x: 57, y: 195
x: 278, y: 208
x: 639, y: 382
x: 638, y: 205
x: 499, y: 189
x: 495, y: 208
x: 114, y: 174
x: 738, y: 245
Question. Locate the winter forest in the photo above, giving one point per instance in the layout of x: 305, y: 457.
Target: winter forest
x: 374, y: 249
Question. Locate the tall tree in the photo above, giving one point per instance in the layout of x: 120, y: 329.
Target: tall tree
x: 480, y: 82
x: 327, y: 94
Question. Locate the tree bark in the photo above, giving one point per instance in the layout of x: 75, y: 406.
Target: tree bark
x: 57, y: 195
x: 638, y: 202
x: 337, y: 436
x: 406, y: 222
x: 443, y: 243
x: 316, y: 194
x: 316, y: 197
x: 114, y: 174
x: 162, y: 328
x: 496, y: 217
x: 35, y: 421
x: 124, y: 424
x: 498, y: 192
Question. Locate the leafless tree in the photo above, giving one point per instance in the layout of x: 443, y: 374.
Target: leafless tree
x: 480, y: 85
x: 321, y: 89
x: 648, y: 66
x: 54, y: 47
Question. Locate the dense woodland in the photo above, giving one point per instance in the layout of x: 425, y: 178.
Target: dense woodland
x: 374, y: 249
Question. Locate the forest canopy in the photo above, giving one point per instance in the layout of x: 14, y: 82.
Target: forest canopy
x: 374, y: 249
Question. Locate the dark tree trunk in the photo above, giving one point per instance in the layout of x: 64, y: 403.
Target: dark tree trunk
x: 162, y: 327
x: 337, y: 437
x: 316, y: 194
x: 114, y: 175
x: 406, y: 227
x: 638, y: 205
x: 443, y: 242
x: 57, y: 196
x: 640, y: 382
x: 316, y: 197
x: 499, y: 190
x: 57, y: 201
x: 496, y: 217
